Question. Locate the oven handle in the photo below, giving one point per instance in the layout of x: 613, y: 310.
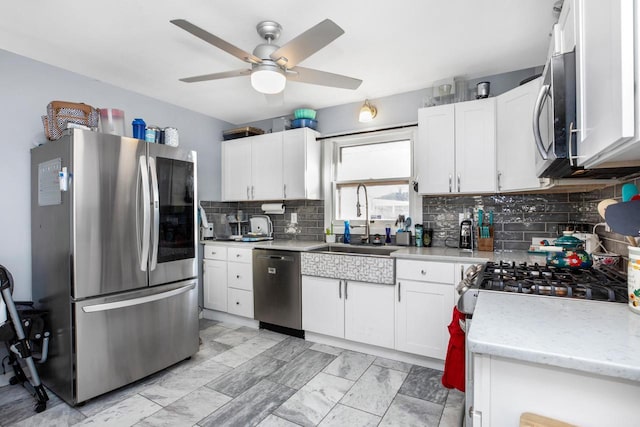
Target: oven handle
x: 537, y: 111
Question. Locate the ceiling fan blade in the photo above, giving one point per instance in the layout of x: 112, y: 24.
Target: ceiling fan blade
x: 216, y: 76
x: 322, y: 78
x: 216, y: 41
x: 307, y: 43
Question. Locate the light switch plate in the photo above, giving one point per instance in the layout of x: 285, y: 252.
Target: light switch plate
x: 294, y: 217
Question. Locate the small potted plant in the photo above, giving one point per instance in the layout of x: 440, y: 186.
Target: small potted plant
x: 329, y: 236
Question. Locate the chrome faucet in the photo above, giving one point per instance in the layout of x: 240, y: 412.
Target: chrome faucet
x: 366, y: 208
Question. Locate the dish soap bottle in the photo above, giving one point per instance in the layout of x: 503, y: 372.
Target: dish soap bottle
x: 347, y: 232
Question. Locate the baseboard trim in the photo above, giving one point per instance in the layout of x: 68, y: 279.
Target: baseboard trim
x: 376, y: 351
x: 230, y: 318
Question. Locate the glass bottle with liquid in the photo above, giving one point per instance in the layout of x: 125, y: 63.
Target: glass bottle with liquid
x: 347, y: 232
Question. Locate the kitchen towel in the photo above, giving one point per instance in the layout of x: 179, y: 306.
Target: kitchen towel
x: 453, y: 376
x: 273, y: 208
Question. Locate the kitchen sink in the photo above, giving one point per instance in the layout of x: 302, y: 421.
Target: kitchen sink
x: 358, y: 249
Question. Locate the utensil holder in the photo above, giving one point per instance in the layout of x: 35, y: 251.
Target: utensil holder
x: 485, y: 243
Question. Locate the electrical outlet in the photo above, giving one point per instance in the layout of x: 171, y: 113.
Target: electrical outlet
x: 294, y: 217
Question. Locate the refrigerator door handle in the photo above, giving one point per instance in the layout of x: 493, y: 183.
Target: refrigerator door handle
x: 137, y: 301
x: 146, y: 212
x: 156, y: 213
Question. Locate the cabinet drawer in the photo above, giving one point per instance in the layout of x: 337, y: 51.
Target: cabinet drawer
x: 215, y: 252
x: 240, y: 276
x: 240, y: 302
x: 426, y: 271
x: 239, y: 255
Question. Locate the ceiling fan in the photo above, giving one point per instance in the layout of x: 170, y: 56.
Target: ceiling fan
x: 273, y: 65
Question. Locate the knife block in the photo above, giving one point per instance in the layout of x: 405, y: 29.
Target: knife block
x: 485, y: 243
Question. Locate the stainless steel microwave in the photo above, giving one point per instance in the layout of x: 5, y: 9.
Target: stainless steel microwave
x: 554, y: 118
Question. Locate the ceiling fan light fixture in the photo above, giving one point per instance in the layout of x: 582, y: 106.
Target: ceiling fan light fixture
x: 367, y: 112
x: 267, y: 78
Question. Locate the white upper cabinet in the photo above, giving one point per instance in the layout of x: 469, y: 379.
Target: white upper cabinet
x: 605, y: 77
x: 566, y: 27
x: 436, y: 149
x: 476, y: 146
x: 236, y: 169
x: 301, y: 164
x: 275, y: 166
x: 515, y: 143
x: 457, y: 148
x: 266, y: 167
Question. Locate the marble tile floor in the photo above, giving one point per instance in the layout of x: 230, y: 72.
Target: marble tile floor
x: 247, y: 377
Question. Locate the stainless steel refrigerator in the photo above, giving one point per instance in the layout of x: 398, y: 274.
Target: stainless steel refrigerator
x: 114, y: 259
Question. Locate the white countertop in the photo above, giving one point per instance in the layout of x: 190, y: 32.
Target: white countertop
x: 596, y: 337
x: 457, y: 255
x: 280, y: 244
x: 403, y: 252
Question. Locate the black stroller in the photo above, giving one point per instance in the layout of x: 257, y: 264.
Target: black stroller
x: 24, y: 331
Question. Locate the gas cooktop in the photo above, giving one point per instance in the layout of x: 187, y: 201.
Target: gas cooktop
x: 602, y: 284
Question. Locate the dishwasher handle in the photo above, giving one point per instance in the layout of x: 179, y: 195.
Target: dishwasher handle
x: 277, y: 257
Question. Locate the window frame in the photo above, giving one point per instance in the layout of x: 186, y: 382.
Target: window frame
x: 331, y: 153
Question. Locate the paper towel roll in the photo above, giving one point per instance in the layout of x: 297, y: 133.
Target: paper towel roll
x: 273, y: 208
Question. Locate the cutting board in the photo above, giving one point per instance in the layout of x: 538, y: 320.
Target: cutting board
x: 624, y: 218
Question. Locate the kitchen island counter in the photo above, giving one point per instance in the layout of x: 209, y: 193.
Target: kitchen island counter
x: 600, y: 338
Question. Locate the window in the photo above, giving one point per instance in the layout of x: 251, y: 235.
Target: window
x: 383, y: 162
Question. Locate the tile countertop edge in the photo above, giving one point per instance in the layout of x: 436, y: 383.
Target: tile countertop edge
x: 603, y: 338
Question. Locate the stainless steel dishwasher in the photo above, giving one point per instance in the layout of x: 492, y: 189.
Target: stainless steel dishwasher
x: 277, y: 288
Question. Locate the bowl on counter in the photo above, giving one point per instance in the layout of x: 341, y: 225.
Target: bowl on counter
x: 601, y: 258
x: 304, y: 123
x: 304, y: 113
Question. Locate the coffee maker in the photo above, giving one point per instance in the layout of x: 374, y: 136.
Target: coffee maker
x: 466, y: 235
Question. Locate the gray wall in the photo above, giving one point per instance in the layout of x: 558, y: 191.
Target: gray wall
x: 397, y: 109
x: 26, y: 87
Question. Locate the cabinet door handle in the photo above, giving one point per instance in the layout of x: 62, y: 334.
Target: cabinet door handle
x: 340, y: 289
x: 450, y: 183
x: 499, y: 186
x: 248, y: 196
x: 458, y: 183
x: 462, y: 272
x: 345, y: 289
x: 252, y: 193
x: 284, y: 190
x: 399, y: 284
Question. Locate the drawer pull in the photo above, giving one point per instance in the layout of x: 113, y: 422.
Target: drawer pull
x: 237, y: 255
x: 237, y: 302
x: 399, y: 285
x: 423, y: 272
x: 237, y: 276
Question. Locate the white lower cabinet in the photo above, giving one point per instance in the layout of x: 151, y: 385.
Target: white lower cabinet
x: 240, y: 302
x: 424, y: 307
x: 215, y: 284
x: 228, y: 280
x: 357, y: 311
x: 368, y: 313
x: 322, y: 306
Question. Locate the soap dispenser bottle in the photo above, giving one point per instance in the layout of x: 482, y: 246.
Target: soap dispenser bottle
x: 347, y: 232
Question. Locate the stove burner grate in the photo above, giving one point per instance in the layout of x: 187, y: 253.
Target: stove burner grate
x: 605, y: 284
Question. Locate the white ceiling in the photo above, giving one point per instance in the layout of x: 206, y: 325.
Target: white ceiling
x: 393, y: 46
